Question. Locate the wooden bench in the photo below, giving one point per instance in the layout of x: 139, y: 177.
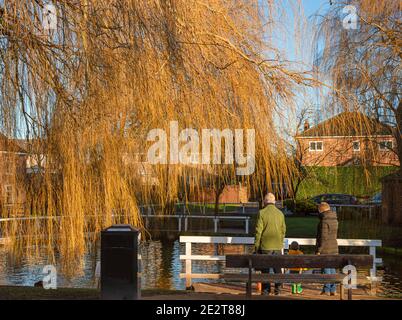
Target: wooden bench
x: 261, y: 261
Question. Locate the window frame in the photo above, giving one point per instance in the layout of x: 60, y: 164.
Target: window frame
x: 8, y: 193
x: 385, y: 144
x: 316, y: 150
x: 353, y: 146
x: 8, y: 170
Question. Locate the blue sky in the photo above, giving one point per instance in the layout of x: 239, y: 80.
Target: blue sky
x: 296, y: 41
x: 308, y: 10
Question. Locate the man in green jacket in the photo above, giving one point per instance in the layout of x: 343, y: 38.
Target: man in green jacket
x: 269, y: 236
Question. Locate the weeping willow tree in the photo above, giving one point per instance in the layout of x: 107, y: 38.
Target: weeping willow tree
x: 86, y: 94
x: 364, y: 62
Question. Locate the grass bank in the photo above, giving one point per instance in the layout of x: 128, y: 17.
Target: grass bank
x: 305, y: 227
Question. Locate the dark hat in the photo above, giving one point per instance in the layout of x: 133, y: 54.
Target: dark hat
x: 294, y: 246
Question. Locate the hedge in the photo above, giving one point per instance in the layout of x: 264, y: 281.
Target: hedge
x: 355, y: 180
x: 301, y: 206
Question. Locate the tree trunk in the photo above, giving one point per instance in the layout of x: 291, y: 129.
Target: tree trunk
x: 217, y: 195
x: 218, y: 192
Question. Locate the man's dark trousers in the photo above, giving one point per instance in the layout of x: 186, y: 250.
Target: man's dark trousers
x: 266, y: 286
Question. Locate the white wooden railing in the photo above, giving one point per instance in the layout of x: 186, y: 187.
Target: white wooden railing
x: 188, y: 257
x: 241, y: 207
x: 202, y: 207
x: 186, y: 218
x: 183, y: 215
x: 182, y: 221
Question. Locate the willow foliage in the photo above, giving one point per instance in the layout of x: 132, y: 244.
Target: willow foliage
x: 86, y: 95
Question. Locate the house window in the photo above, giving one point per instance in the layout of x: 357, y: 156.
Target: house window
x: 9, y: 195
x: 385, y: 145
x: 316, y: 146
x: 356, y: 146
x: 8, y: 165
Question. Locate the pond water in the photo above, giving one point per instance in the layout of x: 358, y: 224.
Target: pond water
x: 161, y: 268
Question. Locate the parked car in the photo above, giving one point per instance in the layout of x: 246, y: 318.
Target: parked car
x: 335, y: 198
x: 376, y: 199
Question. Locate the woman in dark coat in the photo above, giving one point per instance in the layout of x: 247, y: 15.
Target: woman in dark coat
x: 327, y: 234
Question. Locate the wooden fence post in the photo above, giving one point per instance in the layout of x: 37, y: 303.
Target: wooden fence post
x: 216, y: 225
x: 188, y: 266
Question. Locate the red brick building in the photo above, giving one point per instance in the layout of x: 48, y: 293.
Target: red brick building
x: 230, y: 194
x: 333, y: 143
x: 13, y: 161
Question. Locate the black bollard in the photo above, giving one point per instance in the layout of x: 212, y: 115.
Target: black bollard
x: 120, y: 264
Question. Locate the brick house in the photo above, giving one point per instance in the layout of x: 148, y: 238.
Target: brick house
x: 230, y: 194
x: 331, y: 143
x: 13, y: 161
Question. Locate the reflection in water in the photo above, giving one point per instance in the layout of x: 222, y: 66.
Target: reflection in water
x: 26, y: 271
x: 159, y: 263
x: 161, y: 267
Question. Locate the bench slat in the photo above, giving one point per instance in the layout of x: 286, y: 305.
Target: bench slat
x: 261, y: 261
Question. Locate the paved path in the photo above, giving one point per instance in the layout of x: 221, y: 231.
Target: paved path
x: 205, y: 291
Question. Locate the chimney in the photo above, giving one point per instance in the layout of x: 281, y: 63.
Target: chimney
x: 306, y: 125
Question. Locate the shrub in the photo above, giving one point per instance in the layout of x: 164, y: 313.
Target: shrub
x: 305, y: 206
